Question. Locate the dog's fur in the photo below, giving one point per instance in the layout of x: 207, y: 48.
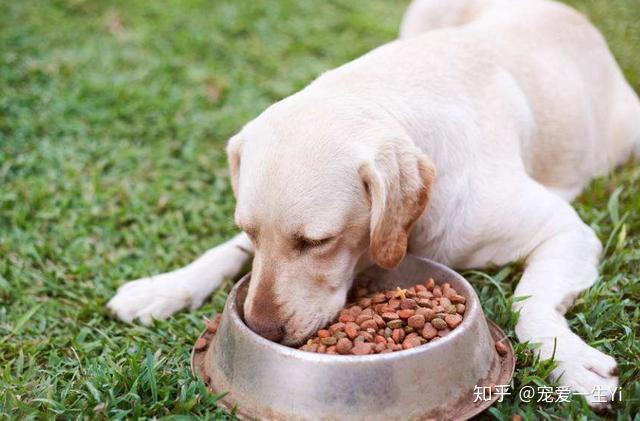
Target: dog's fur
x: 490, y: 114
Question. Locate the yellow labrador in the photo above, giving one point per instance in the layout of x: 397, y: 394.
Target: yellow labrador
x: 463, y: 141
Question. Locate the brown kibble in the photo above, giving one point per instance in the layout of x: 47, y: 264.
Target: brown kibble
x: 394, y: 324
x: 323, y: 333
x: 394, y: 303
x: 457, y: 299
x: 368, y: 324
x: 213, y: 324
x: 424, y: 294
x: 428, y: 314
x: 406, y: 313
x: 408, y: 303
x: 200, y: 344
x: 410, y: 342
x: 367, y: 312
x: 336, y: 327
x: 362, y: 348
x: 416, y: 322
x: 351, y: 329
x: 397, y: 335
x: 429, y: 332
x: 385, y: 308
x: 379, y: 321
x: 424, y: 302
x: 331, y: 340
x: 502, y: 348
x: 344, y: 346
x: 346, y: 318
x: 361, y: 292
x: 453, y: 320
x: 392, y: 320
x: 438, y: 323
x: 362, y: 318
x: 389, y: 316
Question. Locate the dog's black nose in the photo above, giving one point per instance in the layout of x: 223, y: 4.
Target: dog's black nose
x: 269, y: 329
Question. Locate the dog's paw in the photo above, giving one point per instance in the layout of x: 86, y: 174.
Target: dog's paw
x: 589, y: 372
x: 156, y: 297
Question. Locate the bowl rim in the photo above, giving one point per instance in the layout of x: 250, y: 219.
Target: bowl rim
x: 473, y: 310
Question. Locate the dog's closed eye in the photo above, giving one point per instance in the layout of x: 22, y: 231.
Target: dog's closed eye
x: 302, y: 243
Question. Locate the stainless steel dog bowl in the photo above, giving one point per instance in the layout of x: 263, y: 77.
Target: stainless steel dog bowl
x: 267, y: 380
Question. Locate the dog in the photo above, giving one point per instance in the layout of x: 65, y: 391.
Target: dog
x: 464, y: 141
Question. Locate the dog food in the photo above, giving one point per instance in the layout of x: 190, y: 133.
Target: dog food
x: 391, y: 321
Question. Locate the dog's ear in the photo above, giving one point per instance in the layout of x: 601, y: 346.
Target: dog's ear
x: 234, y: 149
x: 398, y: 182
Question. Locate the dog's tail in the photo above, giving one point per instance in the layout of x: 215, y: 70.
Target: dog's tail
x: 425, y: 15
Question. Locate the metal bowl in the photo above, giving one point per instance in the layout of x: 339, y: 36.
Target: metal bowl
x: 436, y: 380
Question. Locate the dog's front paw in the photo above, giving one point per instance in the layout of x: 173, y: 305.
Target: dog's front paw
x: 146, y: 299
x: 588, y: 372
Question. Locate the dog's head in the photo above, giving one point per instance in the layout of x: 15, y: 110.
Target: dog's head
x: 319, y: 204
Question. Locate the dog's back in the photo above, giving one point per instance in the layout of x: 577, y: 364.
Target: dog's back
x: 587, y: 117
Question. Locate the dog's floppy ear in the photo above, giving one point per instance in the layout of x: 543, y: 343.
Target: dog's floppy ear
x: 398, y: 181
x: 234, y: 149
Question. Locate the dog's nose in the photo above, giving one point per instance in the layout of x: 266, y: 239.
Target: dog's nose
x: 269, y: 329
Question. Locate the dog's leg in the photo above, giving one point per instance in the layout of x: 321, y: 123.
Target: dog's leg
x: 562, y: 259
x: 160, y: 296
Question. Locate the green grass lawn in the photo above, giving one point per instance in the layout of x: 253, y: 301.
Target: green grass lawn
x: 113, y: 118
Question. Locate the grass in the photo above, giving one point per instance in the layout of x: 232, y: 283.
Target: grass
x: 113, y: 117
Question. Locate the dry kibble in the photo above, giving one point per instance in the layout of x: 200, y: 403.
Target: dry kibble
x: 397, y: 335
x: 351, y: 329
x: 430, y: 284
x: 453, y: 320
x: 502, y: 348
x: 346, y: 318
x: 392, y: 320
x: 408, y: 303
x: 389, y: 316
x: 324, y: 333
x: 200, y: 344
x: 336, y: 327
x: 429, y: 332
x: 344, y: 346
x: 416, y: 322
x: 331, y: 340
x: 458, y: 299
x: 394, y: 324
x: 438, y: 323
x: 406, y: 313
x: 355, y: 311
x: 362, y: 348
x: 410, y: 342
x: 368, y: 324
x: 363, y: 317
